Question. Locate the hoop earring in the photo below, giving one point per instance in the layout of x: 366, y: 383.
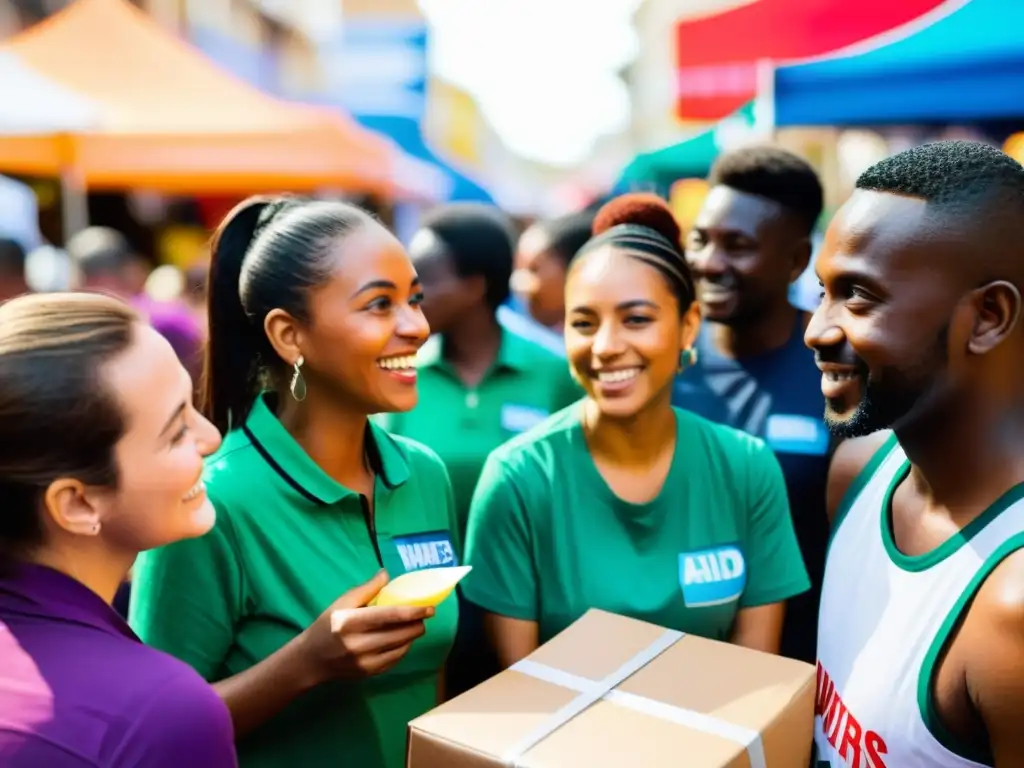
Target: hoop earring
x: 298, y: 385
x: 687, y: 359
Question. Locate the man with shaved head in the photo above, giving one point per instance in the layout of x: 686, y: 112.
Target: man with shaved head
x: 920, y: 342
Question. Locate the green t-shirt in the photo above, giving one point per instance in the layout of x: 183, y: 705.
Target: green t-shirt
x: 548, y: 539
x: 526, y: 384
x: 288, y: 542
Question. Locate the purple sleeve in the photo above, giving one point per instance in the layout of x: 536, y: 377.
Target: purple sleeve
x: 186, y: 724
x: 185, y: 339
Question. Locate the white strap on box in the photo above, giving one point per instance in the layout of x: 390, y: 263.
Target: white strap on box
x: 591, y: 691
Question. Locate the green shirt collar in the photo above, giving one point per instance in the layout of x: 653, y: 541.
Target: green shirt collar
x: 513, y: 354
x: 286, y: 457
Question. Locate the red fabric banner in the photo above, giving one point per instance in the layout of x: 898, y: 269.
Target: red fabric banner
x: 717, y: 56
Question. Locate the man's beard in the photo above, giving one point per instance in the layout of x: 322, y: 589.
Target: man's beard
x: 898, y: 397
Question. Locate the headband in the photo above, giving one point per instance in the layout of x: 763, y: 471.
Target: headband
x: 649, y: 246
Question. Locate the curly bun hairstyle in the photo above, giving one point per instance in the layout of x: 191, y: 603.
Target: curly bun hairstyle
x: 642, y: 225
x: 641, y: 208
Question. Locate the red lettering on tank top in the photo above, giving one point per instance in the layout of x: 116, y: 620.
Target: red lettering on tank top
x: 824, y: 691
x: 849, y: 745
x: 834, y: 717
x: 875, y: 747
x: 856, y: 747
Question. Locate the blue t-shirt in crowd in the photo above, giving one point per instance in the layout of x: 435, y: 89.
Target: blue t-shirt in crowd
x: 775, y: 396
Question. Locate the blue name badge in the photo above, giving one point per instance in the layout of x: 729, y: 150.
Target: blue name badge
x: 712, y: 576
x: 519, y: 418
x: 426, y: 550
x: 786, y: 433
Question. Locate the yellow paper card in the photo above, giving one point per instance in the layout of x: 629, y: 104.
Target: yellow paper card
x: 429, y: 586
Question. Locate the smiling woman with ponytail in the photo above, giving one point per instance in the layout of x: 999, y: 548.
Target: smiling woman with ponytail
x: 314, y: 324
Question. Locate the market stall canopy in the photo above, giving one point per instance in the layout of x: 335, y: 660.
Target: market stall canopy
x: 719, y: 57
x: 692, y: 158
x: 659, y: 169
x: 33, y: 105
x: 967, y: 65
x: 409, y: 136
x: 171, y: 120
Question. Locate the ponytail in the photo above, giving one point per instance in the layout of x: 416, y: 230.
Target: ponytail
x: 230, y: 365
x: 286, y: 247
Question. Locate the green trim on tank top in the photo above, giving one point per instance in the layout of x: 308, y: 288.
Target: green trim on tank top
x: 922, y: 562
x: 859, y: 483
x: 938, y: 647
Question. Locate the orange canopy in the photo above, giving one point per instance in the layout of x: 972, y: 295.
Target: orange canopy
x: 171, y: 120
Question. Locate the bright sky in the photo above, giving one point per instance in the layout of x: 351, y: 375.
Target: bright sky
x: 543, y: 71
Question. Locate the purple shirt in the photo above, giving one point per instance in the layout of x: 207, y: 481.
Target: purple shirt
x: 78, y: 688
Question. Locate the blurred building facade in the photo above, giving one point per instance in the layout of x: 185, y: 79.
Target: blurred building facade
x: 271, y: 46
x: 370, y: 59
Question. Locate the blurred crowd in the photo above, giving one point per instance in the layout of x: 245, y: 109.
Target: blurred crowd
x: 596, y: 410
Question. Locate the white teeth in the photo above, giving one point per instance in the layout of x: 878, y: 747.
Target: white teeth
x: 195, y: 491
x: 397, y: 363
x: 839, y: 375
x: 615, y: 377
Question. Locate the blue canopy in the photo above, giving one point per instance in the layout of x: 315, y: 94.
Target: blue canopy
x: 409, y: 137
x: 967, y: 66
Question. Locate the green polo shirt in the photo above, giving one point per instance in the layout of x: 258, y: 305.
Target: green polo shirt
x: 548, y: 538
x: 526, y: 384
x: 288, y: 542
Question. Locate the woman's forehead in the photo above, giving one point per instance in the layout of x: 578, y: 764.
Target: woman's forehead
x: 367, y: 256
x: 148, y: 380
x: 611, y: 273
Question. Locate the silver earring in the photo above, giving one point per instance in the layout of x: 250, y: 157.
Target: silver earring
x: 95, y: 528
x: 298, y: 385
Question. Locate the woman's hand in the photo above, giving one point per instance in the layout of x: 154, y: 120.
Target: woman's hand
x: 352, y: 640
x: 349, y: 641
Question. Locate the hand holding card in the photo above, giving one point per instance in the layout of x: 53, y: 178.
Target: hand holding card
x: 427, y: 587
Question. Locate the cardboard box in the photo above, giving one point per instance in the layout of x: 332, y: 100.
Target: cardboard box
x: 612, y: 691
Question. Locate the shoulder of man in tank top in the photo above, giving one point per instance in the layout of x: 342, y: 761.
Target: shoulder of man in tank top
x: 849, y: 457
x: 991, y: 644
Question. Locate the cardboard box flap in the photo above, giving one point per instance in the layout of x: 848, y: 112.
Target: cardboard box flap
x: 597, y: 644
x: 493, y: 717
x: 757, y: 687
x: 606, y: 673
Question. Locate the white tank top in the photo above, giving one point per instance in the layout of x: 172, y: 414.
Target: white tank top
x: 884, y: 620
